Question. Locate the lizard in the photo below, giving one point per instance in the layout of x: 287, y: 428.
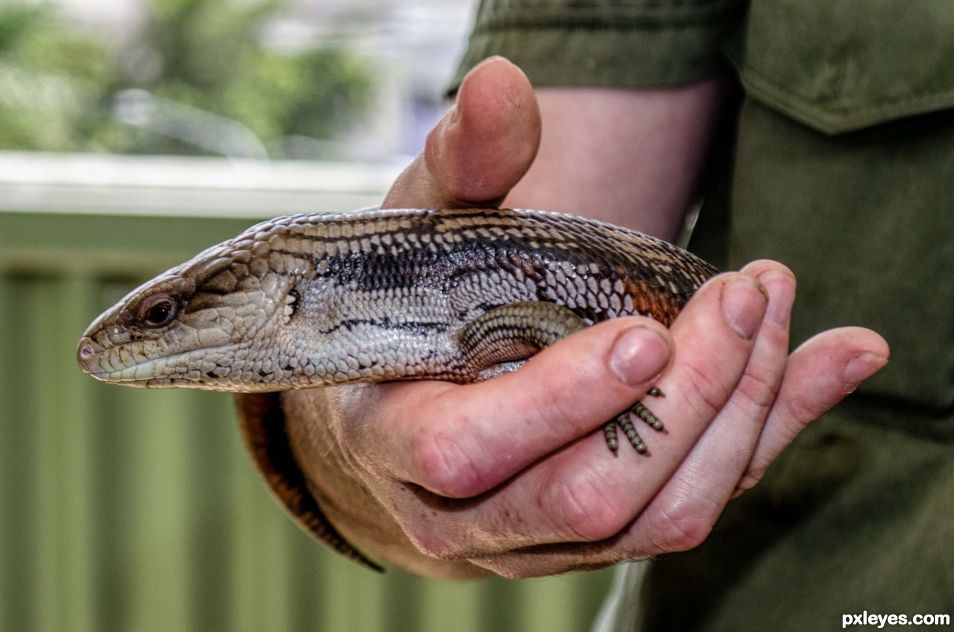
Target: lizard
x: 319, y: 299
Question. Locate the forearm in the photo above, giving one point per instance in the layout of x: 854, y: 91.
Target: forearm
x: 630, y: 157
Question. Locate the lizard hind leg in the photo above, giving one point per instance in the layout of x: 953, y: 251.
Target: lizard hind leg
x: 500, y: 339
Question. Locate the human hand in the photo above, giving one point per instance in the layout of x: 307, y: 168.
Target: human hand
x: 512, y: 475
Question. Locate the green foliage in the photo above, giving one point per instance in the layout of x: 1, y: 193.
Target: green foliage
x: 50, y: 81
x: 57, y: 86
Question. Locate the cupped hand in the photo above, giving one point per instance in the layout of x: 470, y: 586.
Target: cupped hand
x: 512, y: 475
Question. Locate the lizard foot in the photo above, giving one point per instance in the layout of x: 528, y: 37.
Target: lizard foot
x: 625, y: 422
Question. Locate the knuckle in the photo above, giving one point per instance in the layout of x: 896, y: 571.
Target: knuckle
x: 800, y: 412
x: 758, y: 387
x: 710, y: 393
x: 585, y: 509
x: 441, y: 465
x: 684, y: 526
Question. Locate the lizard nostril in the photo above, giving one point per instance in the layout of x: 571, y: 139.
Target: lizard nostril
x: 85, y: 353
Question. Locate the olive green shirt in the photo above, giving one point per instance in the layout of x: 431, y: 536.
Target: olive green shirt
x: 839, y: 162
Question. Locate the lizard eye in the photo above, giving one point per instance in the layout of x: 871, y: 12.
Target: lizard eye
x: 157, y: 310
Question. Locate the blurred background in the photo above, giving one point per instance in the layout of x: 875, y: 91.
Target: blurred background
x: 133, y: 133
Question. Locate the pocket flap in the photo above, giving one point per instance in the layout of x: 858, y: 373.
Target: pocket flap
x: 845, y: 65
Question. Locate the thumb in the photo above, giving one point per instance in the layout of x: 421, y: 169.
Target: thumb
x: 480, y: 148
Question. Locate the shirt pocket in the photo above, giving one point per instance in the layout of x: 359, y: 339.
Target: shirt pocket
x: 846, y: 65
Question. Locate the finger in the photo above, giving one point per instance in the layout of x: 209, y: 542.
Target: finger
x: 821, y: 372
x: 682, y: 515
x: 713, y: 350
x: 480, y: 148
x: 818, y: 375
x: 582, y: 492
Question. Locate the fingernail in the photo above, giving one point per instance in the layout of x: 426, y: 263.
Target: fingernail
x: 743, y: 303
x: 861, y: 367
x: 638, y: 356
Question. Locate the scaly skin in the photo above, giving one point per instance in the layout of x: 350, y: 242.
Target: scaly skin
x: 318, y: 299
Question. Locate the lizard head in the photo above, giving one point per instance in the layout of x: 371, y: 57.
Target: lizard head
x: 203, y: 324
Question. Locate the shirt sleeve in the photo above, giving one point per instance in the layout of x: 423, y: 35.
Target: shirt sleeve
x: 605, y: 43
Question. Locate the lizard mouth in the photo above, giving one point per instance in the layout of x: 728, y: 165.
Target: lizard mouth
x: 162, y: 372
x: 133, y: 376
x: 168, y: 371
x: 90, y: 355
x: 143, y: 374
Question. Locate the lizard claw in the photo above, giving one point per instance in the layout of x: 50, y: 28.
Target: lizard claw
x: 625, y: 422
